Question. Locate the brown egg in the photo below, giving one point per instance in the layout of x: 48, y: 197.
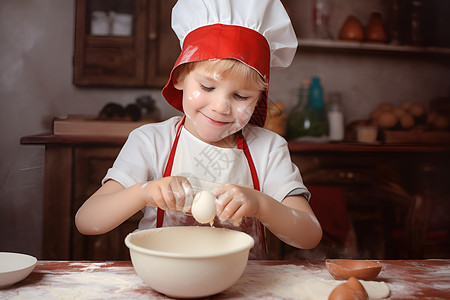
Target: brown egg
x: 416, y: 110
x: 407, y: 121
x: 440, y: 123
x: 398, y: 111
x: 374, y: 114
x: 375, y: 29
x: 406, y: 105
x: 343, y: 269
x: 386, y: 120
x: 351, y: 289
x: 431, y: 117
x: 351, y: 30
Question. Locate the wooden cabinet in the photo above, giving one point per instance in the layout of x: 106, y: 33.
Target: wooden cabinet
x: 141, y: 57
x: 74, y: 168
x: 386, y: 223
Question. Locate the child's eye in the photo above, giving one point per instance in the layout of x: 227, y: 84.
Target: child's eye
x: 239, y: 97
x: 205, y: 88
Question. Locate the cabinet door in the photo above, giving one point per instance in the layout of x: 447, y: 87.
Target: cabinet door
x: 124, y: 43
x: 163, y: 45
x: 110, y: 43
x: 90, y: 166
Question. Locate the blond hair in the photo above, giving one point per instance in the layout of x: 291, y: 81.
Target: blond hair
x: 226, y: 68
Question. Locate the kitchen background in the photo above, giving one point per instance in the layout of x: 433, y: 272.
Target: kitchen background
x: 36, y: 85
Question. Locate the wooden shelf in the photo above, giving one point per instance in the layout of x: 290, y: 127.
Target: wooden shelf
x: 293, y: 146
x: 338, y: 45
x: 366, y: 148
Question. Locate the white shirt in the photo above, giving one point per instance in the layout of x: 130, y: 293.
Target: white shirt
x: 145, y: 154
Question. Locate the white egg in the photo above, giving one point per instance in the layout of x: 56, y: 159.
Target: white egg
x: 204, y: 207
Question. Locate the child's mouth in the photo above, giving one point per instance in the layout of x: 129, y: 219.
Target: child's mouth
x: 215, y: 122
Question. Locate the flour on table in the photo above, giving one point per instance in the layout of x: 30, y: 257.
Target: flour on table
x: 295, y: 282
x: 89, y: 284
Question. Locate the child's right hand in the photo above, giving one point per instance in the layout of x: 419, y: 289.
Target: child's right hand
x: 169, y: 193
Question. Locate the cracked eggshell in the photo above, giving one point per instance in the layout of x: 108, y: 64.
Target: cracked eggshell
x: 343, y: 269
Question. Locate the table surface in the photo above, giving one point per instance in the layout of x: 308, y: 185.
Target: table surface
x: 303, y: 147
x: 406, y: 279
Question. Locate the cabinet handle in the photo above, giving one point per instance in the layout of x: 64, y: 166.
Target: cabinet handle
x: 152, y: 36
x: 346, y: 175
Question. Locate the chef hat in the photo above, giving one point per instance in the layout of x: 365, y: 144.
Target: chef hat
x: 256, y: 32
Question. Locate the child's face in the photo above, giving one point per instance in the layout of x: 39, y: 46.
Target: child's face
x: 216, y: 107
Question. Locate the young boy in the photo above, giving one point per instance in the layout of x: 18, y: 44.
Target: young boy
x: 220, y: 82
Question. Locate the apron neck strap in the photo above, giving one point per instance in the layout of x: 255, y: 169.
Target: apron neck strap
x: 169, y: 165
x: 242, y: 144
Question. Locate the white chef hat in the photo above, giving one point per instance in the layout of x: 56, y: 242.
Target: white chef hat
x: 258, y: 33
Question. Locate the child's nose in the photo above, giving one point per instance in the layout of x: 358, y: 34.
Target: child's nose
x: 222, y: 105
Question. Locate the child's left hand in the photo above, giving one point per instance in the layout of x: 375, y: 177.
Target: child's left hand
x: 234, y: 202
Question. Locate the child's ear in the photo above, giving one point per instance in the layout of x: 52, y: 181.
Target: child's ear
x: 178, y: 83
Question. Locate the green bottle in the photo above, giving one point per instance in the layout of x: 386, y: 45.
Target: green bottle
x: 308, y: 118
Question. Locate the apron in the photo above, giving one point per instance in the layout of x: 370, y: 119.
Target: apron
x: 249, y: 225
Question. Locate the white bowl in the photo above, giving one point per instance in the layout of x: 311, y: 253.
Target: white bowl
x: 189, y: 261
x: 14, y: 267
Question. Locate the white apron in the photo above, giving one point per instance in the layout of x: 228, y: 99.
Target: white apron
x: 197, y: 159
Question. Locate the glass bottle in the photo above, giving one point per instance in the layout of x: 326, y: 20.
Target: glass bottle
x: 321, y: 18
x: 335, y: 117
x: 308, y: 120
x: 292, y: 122
x: 416, y: 23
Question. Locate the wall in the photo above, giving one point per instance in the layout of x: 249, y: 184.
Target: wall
x: 36, y: 86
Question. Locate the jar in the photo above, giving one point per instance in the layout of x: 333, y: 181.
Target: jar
x: 122, y: 24
x: 335, y: 117
x: 100, y: 23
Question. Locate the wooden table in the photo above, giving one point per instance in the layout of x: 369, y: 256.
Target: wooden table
x: 406, y: 279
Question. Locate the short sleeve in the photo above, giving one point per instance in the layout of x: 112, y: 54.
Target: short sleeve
x: 144, y: 154
x: 278, y: 175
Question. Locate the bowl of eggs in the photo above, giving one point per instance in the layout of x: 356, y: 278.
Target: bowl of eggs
x: 189, y: 261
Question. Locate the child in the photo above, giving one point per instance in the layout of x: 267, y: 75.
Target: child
x: 220, y: 82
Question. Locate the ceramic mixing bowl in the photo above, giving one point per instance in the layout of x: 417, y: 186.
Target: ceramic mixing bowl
x: 189, y: 261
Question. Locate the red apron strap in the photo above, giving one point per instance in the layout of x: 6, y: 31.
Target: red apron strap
x: 242, y: 144
x: 168, y: 170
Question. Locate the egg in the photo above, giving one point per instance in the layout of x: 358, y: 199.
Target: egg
x: 407, y: 121
x: 406, y: 105
x: 417, y: 110
x: 374, y: 114
x: 351, y: 30
x: 386, y: 119
x: 204, y: 207
x: 398, y: 111
x: 351, y: 289
x: 440, y: 122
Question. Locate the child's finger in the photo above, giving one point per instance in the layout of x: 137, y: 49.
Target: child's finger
x: 230, y: 209
x: 188, y: 196
x: 222, y: 201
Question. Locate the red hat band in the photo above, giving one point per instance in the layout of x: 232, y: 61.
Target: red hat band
x: 220, y: 41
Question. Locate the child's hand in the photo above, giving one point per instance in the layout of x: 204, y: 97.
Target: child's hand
x: 169, y: 193
x: 234, y: 202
